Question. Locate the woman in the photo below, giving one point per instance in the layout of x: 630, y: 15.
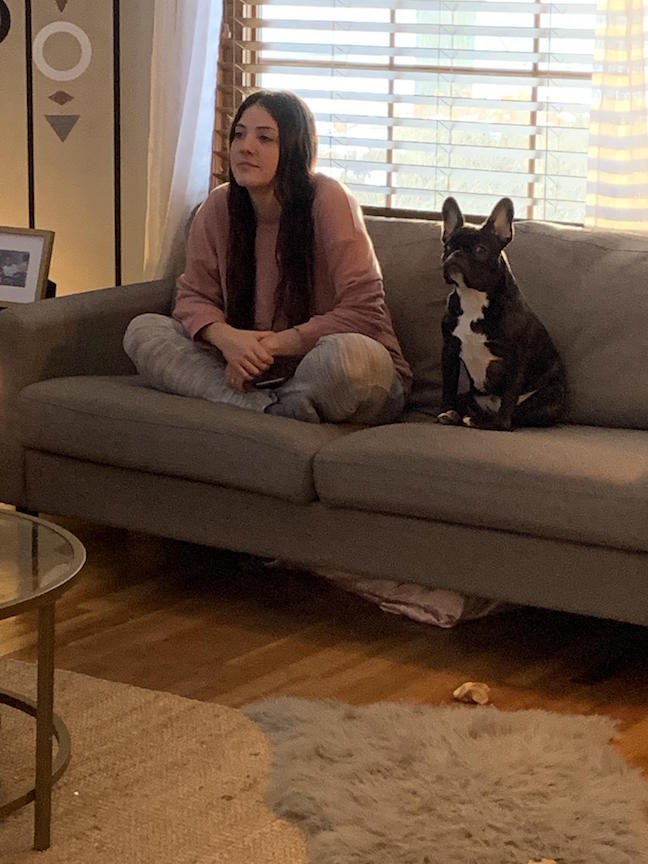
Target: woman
x: 281, y: 277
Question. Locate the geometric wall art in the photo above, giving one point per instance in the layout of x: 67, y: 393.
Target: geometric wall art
x: 78, y: 34
x: 62, y: 124
x: 5, y: 20
x: 72, y: 53
x: 72, y: 136
x: 14, y: 208
x: 61, y: 97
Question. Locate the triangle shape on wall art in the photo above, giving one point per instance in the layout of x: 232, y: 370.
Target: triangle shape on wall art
x: 62, y: 124
x: 61, y: 4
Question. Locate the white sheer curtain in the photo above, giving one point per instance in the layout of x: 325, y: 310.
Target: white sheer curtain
x: 183, y: 81
x: 617, y: 181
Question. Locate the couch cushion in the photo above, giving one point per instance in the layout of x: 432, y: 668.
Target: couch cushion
x: 589, y: 288
x: 409, y: 251
x: 577, y: 483
x: 119, y: 421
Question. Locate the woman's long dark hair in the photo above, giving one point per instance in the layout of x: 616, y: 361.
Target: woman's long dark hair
x: 294, y: 191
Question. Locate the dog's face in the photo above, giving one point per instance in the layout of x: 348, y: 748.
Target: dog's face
x: 473, y: 256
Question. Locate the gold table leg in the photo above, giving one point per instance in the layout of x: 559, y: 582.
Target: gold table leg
x: 44, y: 727
x: 47, y: 724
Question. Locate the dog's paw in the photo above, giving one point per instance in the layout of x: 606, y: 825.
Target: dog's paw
x: 495, y: 423
x: 449, y: 418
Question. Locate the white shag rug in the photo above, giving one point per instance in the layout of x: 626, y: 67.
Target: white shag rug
x: 409, y: 784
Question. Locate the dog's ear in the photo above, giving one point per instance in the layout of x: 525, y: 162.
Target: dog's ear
x: 501, y: 221
x: 452, y: 219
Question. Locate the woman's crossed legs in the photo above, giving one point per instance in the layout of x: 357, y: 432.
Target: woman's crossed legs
x: 346, y: 377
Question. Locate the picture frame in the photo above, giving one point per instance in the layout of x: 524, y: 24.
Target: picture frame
x: 25, y: 255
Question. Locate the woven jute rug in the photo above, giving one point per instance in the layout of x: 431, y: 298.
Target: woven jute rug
x: 154, y: 779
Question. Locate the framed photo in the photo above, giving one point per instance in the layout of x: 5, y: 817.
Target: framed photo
x: 24, y: 264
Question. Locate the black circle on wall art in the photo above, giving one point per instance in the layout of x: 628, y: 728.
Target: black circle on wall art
x: 5, y: 20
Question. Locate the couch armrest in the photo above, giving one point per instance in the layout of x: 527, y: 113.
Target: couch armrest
x: 80, y: 334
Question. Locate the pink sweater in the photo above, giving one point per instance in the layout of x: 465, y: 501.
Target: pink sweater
x: 348, y: 295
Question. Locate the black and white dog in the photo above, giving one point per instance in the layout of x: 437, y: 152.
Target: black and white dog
x: 516, y: 374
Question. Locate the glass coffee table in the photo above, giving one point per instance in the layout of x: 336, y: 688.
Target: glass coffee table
x: 38, y: 562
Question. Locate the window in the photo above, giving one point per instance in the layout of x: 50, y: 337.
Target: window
x: 415, y: 100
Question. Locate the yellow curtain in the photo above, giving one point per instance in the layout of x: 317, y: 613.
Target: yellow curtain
x: 617, y: 180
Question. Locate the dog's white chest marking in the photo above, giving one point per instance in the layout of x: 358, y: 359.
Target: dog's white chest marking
x: 474, y: 352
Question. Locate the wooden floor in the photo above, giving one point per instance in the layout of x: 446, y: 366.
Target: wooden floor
x: 221, y: 627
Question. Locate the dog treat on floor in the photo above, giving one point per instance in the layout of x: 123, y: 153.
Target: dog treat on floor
x: 473, y: 691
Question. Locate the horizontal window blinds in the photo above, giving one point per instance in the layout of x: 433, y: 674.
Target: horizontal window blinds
x: 415, y: 100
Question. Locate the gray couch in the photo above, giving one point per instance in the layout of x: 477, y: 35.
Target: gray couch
x: 554, y: 517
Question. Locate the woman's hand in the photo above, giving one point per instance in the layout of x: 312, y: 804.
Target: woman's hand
x: 243, y: 350
x: 285, y: 343
x: 236, y: 380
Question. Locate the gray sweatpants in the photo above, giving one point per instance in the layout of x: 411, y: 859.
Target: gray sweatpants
x: 346, y: 377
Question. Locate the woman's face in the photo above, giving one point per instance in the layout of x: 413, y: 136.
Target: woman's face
x: 254, y: 152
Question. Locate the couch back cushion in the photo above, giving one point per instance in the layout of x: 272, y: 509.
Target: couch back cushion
x: 409, y: 251
x: 589, y: 288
